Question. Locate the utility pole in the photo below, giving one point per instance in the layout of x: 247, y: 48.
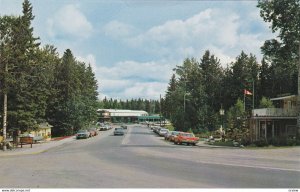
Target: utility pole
x: 298, y: 98
x: 253, y: 92
x: 160, y: 110
x: 5, y: 110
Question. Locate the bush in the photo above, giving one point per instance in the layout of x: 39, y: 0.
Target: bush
x: 170, y: 127
x: 275, y: 141
x: 291, y: 142
x: 223, y: 143
x: 283, y: 141
x: 245, y: 141
x: 262, y: 142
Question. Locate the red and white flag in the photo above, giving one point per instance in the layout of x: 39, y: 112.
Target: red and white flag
x: 246, y: 92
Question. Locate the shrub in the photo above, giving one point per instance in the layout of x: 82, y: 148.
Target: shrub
x: 245, y: 141
x: 291, y: 142
x: 262, y: 142
x: 283, y: 141
x: 170, y: 127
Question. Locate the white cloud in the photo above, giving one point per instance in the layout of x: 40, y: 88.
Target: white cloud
x: 131, y: 79
x: 147, y: 71
x: 146, y: 90
x: 178, y: 39
x: 69, y: 21
x: 89, y: 60
x: 117, y: 29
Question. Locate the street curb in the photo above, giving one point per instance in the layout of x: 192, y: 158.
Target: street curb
x: 39, y: 151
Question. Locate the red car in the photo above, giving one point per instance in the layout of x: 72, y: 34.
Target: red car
x: 93, y: 132
x: 188, y: 138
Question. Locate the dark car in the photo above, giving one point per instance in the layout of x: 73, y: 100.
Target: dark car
x: 82, y: 134
x: 124, y: 126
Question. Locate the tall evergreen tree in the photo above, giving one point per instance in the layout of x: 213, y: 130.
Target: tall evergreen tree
x: 282, y: 52
x: 24, y: 111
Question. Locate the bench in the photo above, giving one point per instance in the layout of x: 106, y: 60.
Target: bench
x: 26, y: 140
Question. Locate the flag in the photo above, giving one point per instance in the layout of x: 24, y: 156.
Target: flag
x: 246, y: 92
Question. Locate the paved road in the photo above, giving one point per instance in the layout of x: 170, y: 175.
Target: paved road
x: 141, y: 159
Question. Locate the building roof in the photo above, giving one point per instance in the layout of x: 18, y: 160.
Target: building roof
x: 283, y: 98
x: 151, y: 117
x: 45, y: 126
x: 123, y: 112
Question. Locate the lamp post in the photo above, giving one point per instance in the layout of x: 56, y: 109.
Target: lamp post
x: 222, y: 112
x: 298, y: 98
x: 4, y: 113
x: 185, y: 94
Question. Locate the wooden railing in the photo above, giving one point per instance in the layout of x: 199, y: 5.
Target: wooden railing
x: 274, y: 112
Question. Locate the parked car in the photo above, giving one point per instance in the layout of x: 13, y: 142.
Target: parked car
x: 162, y: 132
x: 119, y: 131
x: 108, y: 126
x: 157, y: 129
x: 173, y: 135
x: 170, y: 134
x: 105, y: 128
x: 93, y: 132
x: 82, y: 134
x: 188, y: 138
x: 124, y: 126
x: 102, y: 128
x: 167, y: 135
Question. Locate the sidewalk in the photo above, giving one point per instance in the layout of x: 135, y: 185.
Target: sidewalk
x: 36, y: 148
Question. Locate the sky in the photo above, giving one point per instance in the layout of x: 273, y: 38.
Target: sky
x: 134, y: 45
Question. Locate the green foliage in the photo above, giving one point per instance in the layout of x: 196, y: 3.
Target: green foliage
x: 184, y: 97
x: 282, y: 53
x: 283, y: 141
x: 151, y: 106
x: 76, y: 96
x: 41, y: 86
x: 241, y: 74
x: 265, y: 103
x: 262, y: 142
x: 170, y: 127
x: 237, y: 129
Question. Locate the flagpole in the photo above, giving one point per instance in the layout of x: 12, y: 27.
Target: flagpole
x: 244, y: 100
x: 252, y: 93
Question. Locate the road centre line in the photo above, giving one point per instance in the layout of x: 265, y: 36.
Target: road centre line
x: 127, y: 135
x: 249, y: 166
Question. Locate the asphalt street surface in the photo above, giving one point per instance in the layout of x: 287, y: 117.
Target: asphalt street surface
x: 140, y: 159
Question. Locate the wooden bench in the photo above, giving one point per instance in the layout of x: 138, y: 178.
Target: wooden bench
x: 26, y: 140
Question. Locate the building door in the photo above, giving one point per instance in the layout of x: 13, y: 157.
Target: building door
x: 269, y: 129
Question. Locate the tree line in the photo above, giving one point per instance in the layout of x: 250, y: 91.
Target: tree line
x: 40, y: 85
x: 150, y: 106
x: 199, y: 88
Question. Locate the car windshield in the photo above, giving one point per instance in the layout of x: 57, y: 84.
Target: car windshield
x: 187, y: 135
x: 175, y: 133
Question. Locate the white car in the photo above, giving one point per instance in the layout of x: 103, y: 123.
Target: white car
x: 163, y: 131
x: 119, y: 131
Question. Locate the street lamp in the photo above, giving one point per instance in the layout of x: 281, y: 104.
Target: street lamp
x: 222, y: 112
x: 185, y: 94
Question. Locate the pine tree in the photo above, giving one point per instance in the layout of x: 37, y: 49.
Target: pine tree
x: 24, y: 110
